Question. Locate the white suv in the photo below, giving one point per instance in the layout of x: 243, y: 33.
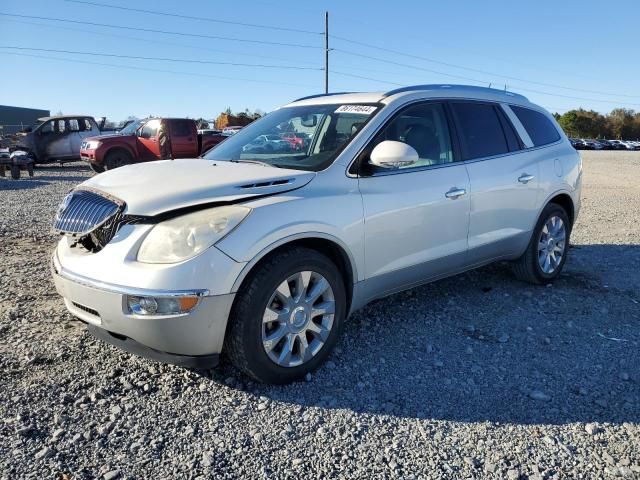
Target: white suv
x: 262, y: 256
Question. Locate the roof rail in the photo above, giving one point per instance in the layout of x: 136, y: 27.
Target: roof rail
x: 321, y: 95
x: 469, y: 88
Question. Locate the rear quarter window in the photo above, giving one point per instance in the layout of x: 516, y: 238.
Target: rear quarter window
x: 538, y: 126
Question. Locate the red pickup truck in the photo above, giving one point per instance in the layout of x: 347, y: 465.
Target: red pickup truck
x: 147, y: 140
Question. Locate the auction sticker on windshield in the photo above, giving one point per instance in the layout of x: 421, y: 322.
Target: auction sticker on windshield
x: 361, y: 109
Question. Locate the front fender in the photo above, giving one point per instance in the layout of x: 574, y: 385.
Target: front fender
x: 289, y: 239
x: 284, y: 218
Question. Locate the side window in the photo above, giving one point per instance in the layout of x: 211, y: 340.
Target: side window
x: 47, y: 127
x: 479, y: 129
x: 424, y: 127
x: 62, y: 126
x: 537, y: 125
x: 74, y: 125
x: 150, y: 129
x: 181, y: 128
x: 85, y: 125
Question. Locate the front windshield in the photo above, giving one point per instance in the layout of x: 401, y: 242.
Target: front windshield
x: 303, y: 138
x: 131, y: 128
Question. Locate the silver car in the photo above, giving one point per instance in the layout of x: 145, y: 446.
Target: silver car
x: 263, y: 256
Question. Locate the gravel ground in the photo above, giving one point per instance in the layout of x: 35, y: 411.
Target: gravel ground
x: 477, y: 376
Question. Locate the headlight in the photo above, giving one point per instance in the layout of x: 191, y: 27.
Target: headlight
x: 92, y: 144
x: 184, y: 237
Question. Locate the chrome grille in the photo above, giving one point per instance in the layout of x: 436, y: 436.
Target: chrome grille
x: 82, y: 211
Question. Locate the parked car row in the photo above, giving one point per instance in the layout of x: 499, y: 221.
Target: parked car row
x: 147, y: 140
x: 69, y: 138
x: 603, y: 144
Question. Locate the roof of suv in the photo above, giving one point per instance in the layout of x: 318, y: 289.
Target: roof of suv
x: 428, y: 91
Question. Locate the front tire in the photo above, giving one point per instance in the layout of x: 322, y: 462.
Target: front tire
x: 117, y: 158
x: 547, y: 251
x: 287, y: 316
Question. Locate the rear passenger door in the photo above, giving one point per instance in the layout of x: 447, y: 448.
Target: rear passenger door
x: 504, y: 181
x: 184, y: 139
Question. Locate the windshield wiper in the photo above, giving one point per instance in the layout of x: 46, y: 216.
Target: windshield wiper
x: 257, y: 162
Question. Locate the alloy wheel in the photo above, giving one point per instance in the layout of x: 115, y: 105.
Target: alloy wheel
x: 552, y: 244
x: 298, y: 319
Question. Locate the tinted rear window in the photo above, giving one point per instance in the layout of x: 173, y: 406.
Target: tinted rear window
x: 480, y: 130
x: 537, y: 125
x: 181, y: 128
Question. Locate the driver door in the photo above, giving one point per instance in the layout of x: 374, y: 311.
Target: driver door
x: 148, y: 145
x: 55, y: 142
x: 416, y: 217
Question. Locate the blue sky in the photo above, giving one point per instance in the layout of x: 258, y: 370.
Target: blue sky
x: 535, y: 48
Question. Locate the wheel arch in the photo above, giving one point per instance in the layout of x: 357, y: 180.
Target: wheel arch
x: 565, y: 201
x: 320, y: 242
x: 115, y: 148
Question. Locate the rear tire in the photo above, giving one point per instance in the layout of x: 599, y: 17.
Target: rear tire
x: 309, y: 336
x: 547, y: 251
x: 117, y: 158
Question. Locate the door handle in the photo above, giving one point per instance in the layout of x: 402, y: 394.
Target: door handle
x: 455, y: 193
x: 525, y: 178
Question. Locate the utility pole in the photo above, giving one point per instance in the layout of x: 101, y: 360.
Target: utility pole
x: 326, y: 52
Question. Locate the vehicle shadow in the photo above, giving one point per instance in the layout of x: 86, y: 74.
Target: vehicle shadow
x: 483, y: 347
x: 24, y: 183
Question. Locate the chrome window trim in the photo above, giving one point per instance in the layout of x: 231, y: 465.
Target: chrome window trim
x: 455, y: 162
x: 57, y: 269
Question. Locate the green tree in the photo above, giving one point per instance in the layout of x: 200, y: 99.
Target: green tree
x: 621, y: 122
x: 584, y: 123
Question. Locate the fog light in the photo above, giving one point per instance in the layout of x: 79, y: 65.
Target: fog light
x: 161, y: 305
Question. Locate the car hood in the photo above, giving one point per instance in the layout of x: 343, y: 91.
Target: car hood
x: 160, y: 186
x: 108, y: 136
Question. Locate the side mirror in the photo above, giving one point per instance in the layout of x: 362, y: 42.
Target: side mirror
x: 392, y: 154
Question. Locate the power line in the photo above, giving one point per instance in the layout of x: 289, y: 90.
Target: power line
x: 344, y: 74
x: 188, y: 17
x: 165, y: 32
x: 415, y: 67
x: 157, y: 70
x: 160, y: 42
x: 512, y: 88
x: 485, y: 82
x: 163, y: 59
x: 431, y: 60
x: 154, y: 41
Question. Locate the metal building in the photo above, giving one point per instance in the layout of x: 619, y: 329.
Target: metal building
x: 14, y: 119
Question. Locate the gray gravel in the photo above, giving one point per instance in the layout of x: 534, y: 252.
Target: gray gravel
x: 476, y: 376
